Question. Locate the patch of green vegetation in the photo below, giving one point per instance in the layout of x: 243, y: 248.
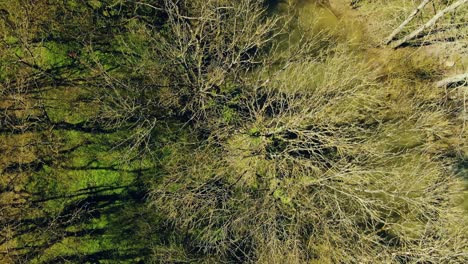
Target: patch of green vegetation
x: 52, y: 55
x: 229, y: 115
x: 11, y: 40
x: 70, y: 105
x: 95, y: 4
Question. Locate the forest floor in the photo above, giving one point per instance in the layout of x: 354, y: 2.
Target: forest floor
x: 448, y: 49
x: 453, y: 54
x: 95, y: 197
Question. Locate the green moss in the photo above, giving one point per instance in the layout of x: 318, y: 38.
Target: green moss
x: 70, y: 105
x: 52, y: 55
x: 106, y: 60
x: 76, y: 180
x: 229, y: 115
x: 75, y: 5
x: 72, y: 138
x: 283, y: 197
x: 11, y: 40
x: 19, y: 52
x: 95, y: 4
x: 254, y: 132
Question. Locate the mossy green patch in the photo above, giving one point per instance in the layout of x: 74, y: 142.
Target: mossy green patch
x: 95, y: 4
x: 71, y: 105
x: 11, y: 40
x: 52, y: 55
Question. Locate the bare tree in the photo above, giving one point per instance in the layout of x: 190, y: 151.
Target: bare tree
x: 212, y: 45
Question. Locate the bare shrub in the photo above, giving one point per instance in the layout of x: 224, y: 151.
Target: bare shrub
x: 324, y: 164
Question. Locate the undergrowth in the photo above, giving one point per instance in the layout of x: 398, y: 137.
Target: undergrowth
x: 334, y: 161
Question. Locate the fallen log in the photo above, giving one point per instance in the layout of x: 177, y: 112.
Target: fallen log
x: 429, y: 24
x: 410, y: 17
x: 457, y: 79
